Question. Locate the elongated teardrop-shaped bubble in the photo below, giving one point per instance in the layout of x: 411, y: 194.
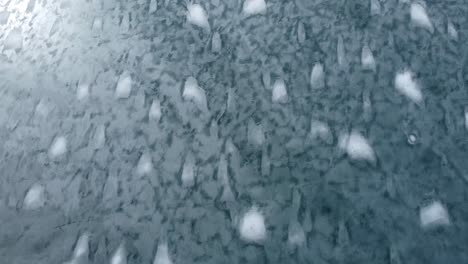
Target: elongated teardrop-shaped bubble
x: 317, y: 76
x: 420, y: 18
x: 408, y: 86
x: 357, y: 147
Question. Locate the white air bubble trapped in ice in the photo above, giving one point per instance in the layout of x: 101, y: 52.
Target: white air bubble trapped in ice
x: 193, y: 92
x: 14, y: 40
x: 82, y: 91
x: 216, y: 43
x: 252, y: 226
x: 279, y: 93
x: 301, y: 34
x: 375, y: 7
x: 124, y: 86
x: 434, y: 214
x: 452, y: 31
x: 145, y: 165
x: 367, y: 58
x: 317, y: 79
x: 197, y: 16
x: 188, y: 171
x: 340, y: 51
x: 82, y: 247
x: 162, y: 254
x: 266, y: 79
x: 34, y: 198
x: 406, y: 85
x: 356, y: 146
x: 153, y: 6
x: 253, y: 7
x: 255, y: 134
x: 296, y: 234
x: 320, y: 130
x: 155, y: 111
x: 58, y: 147
x: 120, y: 256
x: 419, y: 16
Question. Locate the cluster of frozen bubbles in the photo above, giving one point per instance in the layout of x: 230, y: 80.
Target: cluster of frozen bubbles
x: 252, y: 225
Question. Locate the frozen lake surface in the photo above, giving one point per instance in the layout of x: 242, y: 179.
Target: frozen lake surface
x: 235, y: 131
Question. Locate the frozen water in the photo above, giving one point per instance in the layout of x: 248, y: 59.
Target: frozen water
x: 155, y: 111
x: 356, y: 146
x: 197, y: 16
x: 419, y: 16
x: 406, y: 85
x: 193, y: 92
x: 124, y: 85
x: 82, y: 91
x: 162, y: 254
x: 253, y: 7
x: 14, y: 40
x: 279, y: 93
x: 35, y: 198
x: 434, y: 214
x: 58, y: 147
x: 367, y: 58
x: 120, y: 256
x: 188, y: 171
x: 145, y: 164
x: 317, y: 76
x: 252, y: 226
